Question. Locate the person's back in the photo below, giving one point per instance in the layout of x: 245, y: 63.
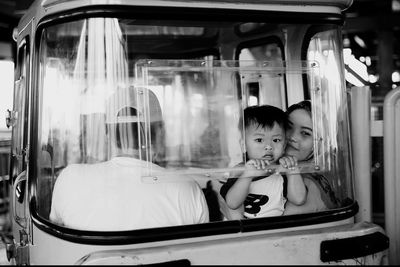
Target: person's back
x: 92, y: 197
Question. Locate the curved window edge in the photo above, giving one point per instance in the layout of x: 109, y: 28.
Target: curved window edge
x: 189, y: 231
x: 312, y: 30
x: 187, y: 12
x: 298, y: 220
x: 306, y: 18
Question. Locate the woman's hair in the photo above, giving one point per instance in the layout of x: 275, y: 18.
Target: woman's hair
x: 305, y: 105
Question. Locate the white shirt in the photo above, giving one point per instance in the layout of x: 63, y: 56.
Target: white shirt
x: 111, y: 196
x: 265, y: 198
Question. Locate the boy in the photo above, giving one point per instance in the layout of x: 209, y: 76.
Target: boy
x: 255, y: 193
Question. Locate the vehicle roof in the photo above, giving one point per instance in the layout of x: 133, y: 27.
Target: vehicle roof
x: 343, y: 4
x: 41, y: 8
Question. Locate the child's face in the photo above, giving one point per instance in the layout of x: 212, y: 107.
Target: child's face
x: 265, y: 143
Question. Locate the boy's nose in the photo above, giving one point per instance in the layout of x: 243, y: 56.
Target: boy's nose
x: 268, y: 147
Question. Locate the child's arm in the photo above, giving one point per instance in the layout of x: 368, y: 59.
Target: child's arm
x: 296, y: 189
x: 240, y: 189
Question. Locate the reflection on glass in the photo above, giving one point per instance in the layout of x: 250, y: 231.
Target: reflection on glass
x: 324, y: 48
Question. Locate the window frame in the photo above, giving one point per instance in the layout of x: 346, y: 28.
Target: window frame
x: 175, y: 232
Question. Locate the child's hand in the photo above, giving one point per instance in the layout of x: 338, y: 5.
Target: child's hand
x: 255, y: 167
x: 289, y: 162
x: 257, y: 164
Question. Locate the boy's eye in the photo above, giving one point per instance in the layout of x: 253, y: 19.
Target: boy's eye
x: 277, y: 140
x: 258, y: 140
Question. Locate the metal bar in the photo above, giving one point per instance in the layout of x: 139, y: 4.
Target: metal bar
x: 391, y: 144
x: 361, y: 141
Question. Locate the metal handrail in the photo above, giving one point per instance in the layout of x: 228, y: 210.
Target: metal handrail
x: 361, y: 146
x: 391, y: 143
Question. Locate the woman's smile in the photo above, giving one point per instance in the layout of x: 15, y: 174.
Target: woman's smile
x: 290, y: 146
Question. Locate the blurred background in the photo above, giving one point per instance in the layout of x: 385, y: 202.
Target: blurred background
x: 371, y: 38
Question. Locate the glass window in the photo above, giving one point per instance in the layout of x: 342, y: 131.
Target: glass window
x: 18, y: 119
x: 7, y: 72
x: 202, y: 104
x: 273, y: 54
x: 325, y: 48
x: 104, y: 93
x: 20, y: 110
x: 87, y: 78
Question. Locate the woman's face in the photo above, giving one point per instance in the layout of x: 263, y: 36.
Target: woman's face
x: 299, y: 135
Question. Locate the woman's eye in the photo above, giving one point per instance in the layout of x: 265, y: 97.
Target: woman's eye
x: 306, y: 133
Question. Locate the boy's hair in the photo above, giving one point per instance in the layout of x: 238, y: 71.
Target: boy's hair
x: 264, y: 116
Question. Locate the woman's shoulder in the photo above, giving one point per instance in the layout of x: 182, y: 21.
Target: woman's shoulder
x: 322, y: 183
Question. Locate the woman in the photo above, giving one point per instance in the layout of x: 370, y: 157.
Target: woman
x: 300, y: 144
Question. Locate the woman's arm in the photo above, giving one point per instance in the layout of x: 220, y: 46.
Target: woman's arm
x: 314, y: 202
x: 296, y: 189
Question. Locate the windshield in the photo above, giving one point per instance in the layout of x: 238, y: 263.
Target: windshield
x: 131, y: 108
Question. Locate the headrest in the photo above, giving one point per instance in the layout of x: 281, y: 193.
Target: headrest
x: 139, y: 99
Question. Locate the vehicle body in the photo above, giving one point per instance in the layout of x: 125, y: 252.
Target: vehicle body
x: 205, y: 61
